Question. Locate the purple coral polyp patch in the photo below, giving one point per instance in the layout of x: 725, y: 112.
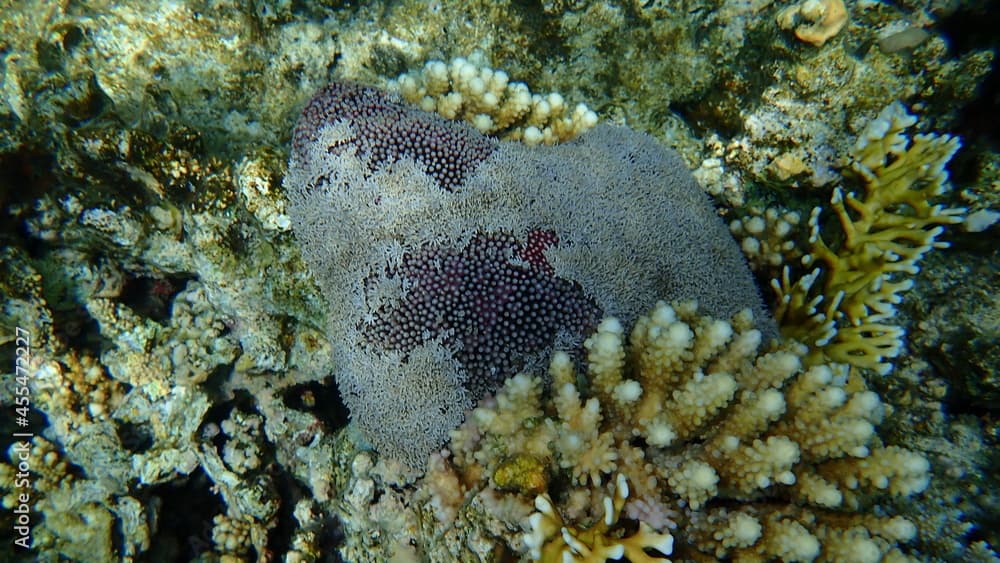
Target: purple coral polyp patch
x: 495, y: 302
x: 387, y: 130
x: 450, y: 260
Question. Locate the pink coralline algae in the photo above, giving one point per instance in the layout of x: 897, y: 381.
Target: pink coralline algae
x: 450, y: 260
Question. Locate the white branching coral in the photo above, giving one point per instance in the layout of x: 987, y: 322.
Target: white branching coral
x: 750, y: 454
x: 768, y: 238
x: 469, y: 90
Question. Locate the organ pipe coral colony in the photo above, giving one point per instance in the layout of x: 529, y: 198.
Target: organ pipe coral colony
x: 578, y: 354
x: 475, y: 268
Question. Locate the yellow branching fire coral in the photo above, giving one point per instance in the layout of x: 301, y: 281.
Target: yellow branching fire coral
x: 843, y: 308
x: 553, y: 540
x: 486, y: 98
x: 740, y: 454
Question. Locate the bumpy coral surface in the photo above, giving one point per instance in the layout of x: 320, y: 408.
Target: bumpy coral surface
x: 480, y: 254
x: 492, y: 104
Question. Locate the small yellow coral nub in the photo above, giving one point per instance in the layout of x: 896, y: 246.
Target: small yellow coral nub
x: 522, y: 473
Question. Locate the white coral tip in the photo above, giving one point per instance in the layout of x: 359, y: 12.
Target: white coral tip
x: 532, y: 136
x: 628, y: 391
x: 621, y: 484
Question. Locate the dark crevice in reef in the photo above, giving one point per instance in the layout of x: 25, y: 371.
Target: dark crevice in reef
x: 135, y: 438
x: 279, y: 539
x: 152, y: 297
x: 287, y: 488
x: 75, y: 327
x: 216, y: 385
x: 187, y: 507
x: 220, y: 411
x: 25, y: 175
x: 977, y: 120
x: 966, y: 167
x: 321, y: 399
x: 974, y: 28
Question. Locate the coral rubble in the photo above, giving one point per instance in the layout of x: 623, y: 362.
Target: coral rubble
x: 814, y: 21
